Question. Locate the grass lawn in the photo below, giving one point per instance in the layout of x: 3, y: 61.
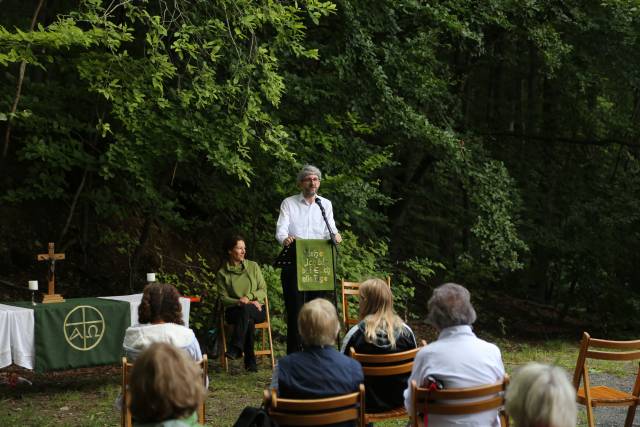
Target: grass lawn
x: 85, y: 397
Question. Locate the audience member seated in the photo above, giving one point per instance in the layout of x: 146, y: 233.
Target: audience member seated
x: 381, y: 331
x: 243, y: 290
x: 160, y: 320
x: 457, y: 358
x: 319, y: 370
x: 541, y: 396
x: 166, y: 388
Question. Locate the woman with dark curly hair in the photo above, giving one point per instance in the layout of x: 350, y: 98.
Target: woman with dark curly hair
x: 160, y: 320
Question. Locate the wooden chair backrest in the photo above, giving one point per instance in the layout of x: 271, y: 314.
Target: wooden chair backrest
x: 622, y: 351
x: 350, y: 289
x: 126, y: 419
x: 382, y: 365
x: 443, y: 402
x: 316, y: 412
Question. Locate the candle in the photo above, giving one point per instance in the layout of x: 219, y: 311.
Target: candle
x: 33, y: 285
x: 151, y: 277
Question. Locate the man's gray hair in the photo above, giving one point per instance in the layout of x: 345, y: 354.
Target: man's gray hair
x: 450, y: 305
x: 308, y: 170
x: 541, y: 395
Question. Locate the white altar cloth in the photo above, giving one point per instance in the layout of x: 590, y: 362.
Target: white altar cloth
x: 17, y: 330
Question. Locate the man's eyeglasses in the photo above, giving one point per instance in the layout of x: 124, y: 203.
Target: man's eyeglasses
x: 311, y: 179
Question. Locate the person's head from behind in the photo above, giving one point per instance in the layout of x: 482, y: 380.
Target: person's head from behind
x: 160, y: 304
x: 318, y: 323
x: 376, y: 311
x: 375, y: 297
x: 450, y: 305
x: 165, y: 384
x: 541, y: 396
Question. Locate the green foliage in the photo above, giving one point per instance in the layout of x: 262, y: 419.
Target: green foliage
x: 276, y: 300
x: 197, y: 279
x: 492, y: 143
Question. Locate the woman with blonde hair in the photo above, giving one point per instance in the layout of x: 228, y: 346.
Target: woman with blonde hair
x: 166, y: 388
x: 380, y: 331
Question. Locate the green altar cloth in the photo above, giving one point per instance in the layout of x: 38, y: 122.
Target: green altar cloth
x: 314, y: 262
x: 78, y: 332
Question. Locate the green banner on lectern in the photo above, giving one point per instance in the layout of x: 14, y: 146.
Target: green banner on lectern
x: 314, y: 261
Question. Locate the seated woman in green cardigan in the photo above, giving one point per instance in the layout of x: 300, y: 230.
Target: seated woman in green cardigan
x: 243, y: 290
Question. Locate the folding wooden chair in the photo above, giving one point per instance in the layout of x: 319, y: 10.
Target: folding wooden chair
x: 264, y: 327
x: 316, y: 412
x: 459, y: 401
x: 125, y: 418
x: 592, y: 396
x: 386, y: 365
x: 351, y: 290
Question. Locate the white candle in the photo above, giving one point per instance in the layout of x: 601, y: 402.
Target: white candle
x: 151, y: 277
x: 33, y: 285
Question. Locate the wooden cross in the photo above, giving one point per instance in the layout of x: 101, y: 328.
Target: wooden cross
x: 52, y: 257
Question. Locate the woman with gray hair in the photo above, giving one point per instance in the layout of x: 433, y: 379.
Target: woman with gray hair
x: 457, y: 358
x: 541, y: 396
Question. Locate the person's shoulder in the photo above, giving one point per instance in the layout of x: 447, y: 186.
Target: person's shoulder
x: 340, y: 357
x: 406, y: 330
x: 351, y: 336
x: 487, y: 346
x: 251, y: 265
x: 292, y: 199
x: 324, y: 200
x: 180, y: 330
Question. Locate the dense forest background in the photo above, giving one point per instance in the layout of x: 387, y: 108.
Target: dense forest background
x: 490, y: 143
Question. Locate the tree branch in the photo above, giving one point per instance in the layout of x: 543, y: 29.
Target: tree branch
x: 73, y: 205
x: 23, y: 66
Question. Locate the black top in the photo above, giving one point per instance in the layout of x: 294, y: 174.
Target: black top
x: 382, y: 393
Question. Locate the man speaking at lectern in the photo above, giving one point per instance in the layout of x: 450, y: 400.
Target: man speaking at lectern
x: 301, y: 217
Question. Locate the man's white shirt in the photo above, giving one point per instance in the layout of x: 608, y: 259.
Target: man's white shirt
x: 304, y: 220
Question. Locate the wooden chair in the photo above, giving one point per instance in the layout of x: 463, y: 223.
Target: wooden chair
x: 592, y: 396
x: 351, y: 290
x: 125, y: 418
x: 316, y: 412
x: 385, y: 365
x: 264, y: 327
x: 459, y: 401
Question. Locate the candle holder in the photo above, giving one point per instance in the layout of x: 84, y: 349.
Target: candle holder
x: 33, y: 287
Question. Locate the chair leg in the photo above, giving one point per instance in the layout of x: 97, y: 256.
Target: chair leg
x: 504, y: 418
x: 273, y: 360
x: 223, y: 357
x: 590, y: 419
x: 631, y: 414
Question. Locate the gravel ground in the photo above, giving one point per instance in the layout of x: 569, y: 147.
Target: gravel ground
x: 611, y: 416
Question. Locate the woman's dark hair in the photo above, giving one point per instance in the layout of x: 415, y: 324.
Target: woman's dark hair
x: 230, y: 242
x: 160, y: 303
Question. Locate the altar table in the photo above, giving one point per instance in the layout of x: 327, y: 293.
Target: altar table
x: 17, y: 329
